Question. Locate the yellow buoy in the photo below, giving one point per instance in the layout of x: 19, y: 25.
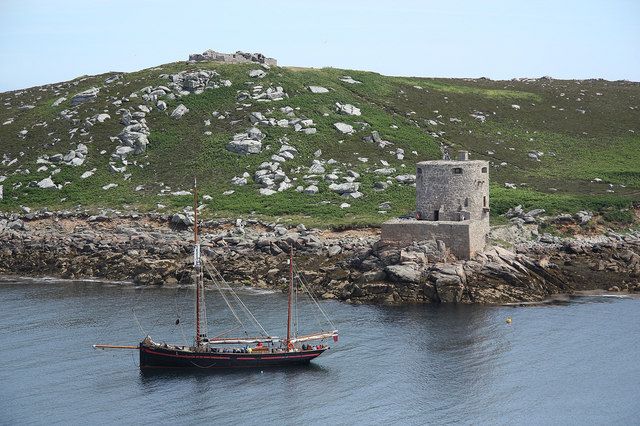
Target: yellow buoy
x: 508, y: 320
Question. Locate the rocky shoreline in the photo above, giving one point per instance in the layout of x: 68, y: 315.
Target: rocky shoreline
x: 352, y: 266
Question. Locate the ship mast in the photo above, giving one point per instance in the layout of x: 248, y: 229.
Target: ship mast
x: 200, y: 300
x: 289, y: 301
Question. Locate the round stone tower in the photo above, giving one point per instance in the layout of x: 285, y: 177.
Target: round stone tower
x: 453, y: 190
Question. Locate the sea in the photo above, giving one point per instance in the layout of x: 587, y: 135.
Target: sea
x: 571, y: 360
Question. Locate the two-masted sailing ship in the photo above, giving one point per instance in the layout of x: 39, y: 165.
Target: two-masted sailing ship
x: 225, y: 352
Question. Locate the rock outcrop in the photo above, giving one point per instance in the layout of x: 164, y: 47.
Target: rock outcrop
x: 351, y: 266
x: 238, y: 57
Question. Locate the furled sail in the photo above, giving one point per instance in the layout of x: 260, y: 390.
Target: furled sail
x: 318, y: 336
x: 244, y: 341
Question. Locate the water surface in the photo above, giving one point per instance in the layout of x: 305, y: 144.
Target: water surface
x: 575, y: 362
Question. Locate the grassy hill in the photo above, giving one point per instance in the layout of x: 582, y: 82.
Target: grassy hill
x: 566, y: 145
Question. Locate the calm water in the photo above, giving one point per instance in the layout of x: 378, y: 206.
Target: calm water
x: 577, y: 362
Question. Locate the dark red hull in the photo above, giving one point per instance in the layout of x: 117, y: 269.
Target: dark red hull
x: 171, y: 358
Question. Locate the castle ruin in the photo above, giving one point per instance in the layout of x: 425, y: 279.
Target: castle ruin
x: 452, y: 206
x: 235, y: 58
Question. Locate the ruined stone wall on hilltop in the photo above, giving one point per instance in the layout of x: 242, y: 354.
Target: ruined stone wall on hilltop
x: 238, y: 57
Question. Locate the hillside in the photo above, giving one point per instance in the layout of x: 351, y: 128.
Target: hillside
x: 561, y: 145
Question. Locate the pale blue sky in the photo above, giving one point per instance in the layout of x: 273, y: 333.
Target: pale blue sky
x: 45, y: 41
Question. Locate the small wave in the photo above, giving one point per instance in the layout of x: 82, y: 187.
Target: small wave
x: 49, y: 279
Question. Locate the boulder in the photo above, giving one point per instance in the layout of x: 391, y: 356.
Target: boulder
x: 316, y: 168
x: 406, y: 179
x: 47, y: 183
x: 257, y: 73
x: 347, y: 109
x: 311, y: 190
x: 181, y: 219
x: 101, y: 118
x: 245, y: 146
x: 344, y: 128
x: 318, y: 89
x: 85, y: 96
x: 82, y: 149
x: 345, y: 188
x: 404, y: 273
x: 348, y: 79
x: 179, y: 111
x: 267, y: 191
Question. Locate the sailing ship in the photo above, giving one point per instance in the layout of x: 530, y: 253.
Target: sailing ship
x: 222, y: 352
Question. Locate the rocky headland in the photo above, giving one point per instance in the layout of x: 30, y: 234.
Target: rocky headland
x: 354, y: 265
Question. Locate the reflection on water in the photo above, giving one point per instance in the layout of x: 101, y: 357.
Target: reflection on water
x: 573, y: 360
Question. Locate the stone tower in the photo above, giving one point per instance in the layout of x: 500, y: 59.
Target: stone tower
x: 453, y: 190
x: 452, y: 206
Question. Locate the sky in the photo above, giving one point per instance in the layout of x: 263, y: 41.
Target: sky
x: 47, y: 41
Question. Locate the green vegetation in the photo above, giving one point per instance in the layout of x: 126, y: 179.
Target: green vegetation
x: 590, y: 160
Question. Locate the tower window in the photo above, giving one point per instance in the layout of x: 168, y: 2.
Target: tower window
x: 466, y: 202
x: 484, y: 170
x: 457, y: 170
x: 484, y: 201
x: 419, y: 171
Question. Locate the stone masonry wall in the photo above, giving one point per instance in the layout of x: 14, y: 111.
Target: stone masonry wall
x: 439, y: 188
x: 464, y: 239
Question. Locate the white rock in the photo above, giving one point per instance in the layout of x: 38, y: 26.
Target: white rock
x: 58, y: 101
x: 284, y: 186
x: 267, y: 191
x: 109, y: 186
x: 345, y: 205
x: 347, y: 109
x: 101, y: 118
x: 245, y: 146
x: 316, y: 168
x: 47, y: 183
x: 85, y: 96
x: 257, y: 74
x: 406, y: 178
x: 240, y: 181
x: 179, y: 111
x: 385, y: 171
x: 318, y: 89
x: 345, y: 188
x: 353, y: 195
x: 124, y: 150
x: 87, y: 174
x: 344, y: 128
x: 348, y: 79
x: 81, y: 149
x: 311, y: 190
x: 514, y: 106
